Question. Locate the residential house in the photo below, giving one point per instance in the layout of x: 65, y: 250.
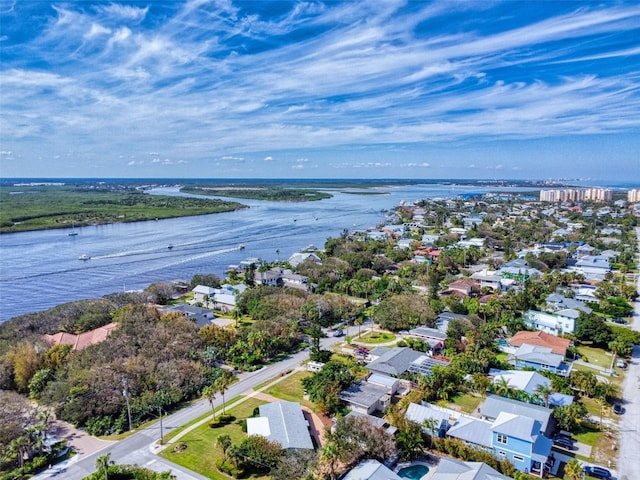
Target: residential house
x: 282, y: 422
x: 557, y: 345
x: 366, y: 397
x: 556, y: 302
x: 492, y: 279
x: 203, y: 293
x: 530, y: 383
x: 391, y: 384
x: 371, y: 470
x: 463, y: 287
x: 376, y: 421
x: 84, y: 340
x: 435, y: 338
x: 225, y: 297
x: 541, y: 359
x: 518, y: 438
x: 393, y: 362
x: 585, y: 250
x: 593, y: 268
x: 494, y: 405
x: 453, y: 469
x: 425, y: 363
x: 201, y: 316
x: 559, y: 323
x: 439, y: 419
x: 301, y: 257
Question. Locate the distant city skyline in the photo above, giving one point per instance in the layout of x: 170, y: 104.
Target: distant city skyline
x: 359, y: 89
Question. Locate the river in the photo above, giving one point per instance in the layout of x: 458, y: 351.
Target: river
x: 41, y: 269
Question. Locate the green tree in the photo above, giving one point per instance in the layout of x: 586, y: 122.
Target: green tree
x: 573, y: 470
x: 224, y: 442
x: 409, y: 440
x: 103, y: 462
x: 209, y: 392
x: 222, y: 384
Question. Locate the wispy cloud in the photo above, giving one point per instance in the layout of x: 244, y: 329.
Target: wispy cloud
x: 209, y: 81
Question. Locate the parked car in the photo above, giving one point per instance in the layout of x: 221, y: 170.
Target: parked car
x: 617, y: 409
x: 596, y: 472
x: 564, y: 442
x: 619, y: 321
x: 621, y: 363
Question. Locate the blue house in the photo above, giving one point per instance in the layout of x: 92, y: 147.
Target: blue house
x: 518, y: 439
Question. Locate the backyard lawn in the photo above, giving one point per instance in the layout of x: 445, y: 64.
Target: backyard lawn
x: 466, y: 403
x: 201, y: 451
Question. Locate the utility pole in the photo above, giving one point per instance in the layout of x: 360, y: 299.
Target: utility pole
x: 161, y: 435
x: 125, y: 394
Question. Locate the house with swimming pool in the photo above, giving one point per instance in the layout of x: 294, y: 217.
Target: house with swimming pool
x: 509, y: 436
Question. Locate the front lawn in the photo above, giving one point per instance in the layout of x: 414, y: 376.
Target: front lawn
x: 596, y: 356
x: 201, y: 451
x: 291, y: 389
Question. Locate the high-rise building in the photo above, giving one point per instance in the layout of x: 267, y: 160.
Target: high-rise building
x: 633, y: 195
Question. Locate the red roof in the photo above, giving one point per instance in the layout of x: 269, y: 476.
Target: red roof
x: 541, y: 339
x: 82, y: 341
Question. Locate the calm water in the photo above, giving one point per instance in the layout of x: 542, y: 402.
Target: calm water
x: 39, y: 270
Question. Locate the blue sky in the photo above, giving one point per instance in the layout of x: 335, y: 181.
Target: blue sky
x: 359, y: 89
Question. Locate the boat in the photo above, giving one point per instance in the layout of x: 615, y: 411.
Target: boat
x: 73, y: 232
x: 84, y: 257
x: 241, y: 246
x: 170, y: 247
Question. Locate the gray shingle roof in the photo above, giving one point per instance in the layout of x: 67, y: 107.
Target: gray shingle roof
x: 496, y: 404
x: 452, y: 469
x: 286, y: 425
x: 363, y: 394
x: 395, y: 361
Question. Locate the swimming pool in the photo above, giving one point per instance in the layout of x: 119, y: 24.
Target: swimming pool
x: 413, y: 472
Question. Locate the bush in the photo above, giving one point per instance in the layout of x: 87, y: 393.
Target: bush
x: 226, y: 466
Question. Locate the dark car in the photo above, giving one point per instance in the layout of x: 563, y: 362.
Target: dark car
x: 617, y: 409
x: 597, y: 472
x: 619, y: 321
x: 564, y: 442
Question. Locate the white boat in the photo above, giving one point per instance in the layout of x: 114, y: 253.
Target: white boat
x: 241, y: 246
x: 84, y: 256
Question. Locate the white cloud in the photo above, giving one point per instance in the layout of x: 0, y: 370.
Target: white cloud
x: 124, y: 11
x: 97, y: 30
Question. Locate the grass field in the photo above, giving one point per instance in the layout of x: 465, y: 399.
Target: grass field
x: 47, y: 207
x: 201, y: 452
x: 376, y: 337
x: 596, y: 356
x: 467, y: 403
x: 290, y: 389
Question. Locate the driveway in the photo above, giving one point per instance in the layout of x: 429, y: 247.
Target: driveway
x: 629, y: 454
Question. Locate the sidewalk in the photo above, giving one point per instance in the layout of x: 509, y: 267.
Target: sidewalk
x: 156, y: 448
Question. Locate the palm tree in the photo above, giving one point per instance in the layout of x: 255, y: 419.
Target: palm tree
x: 103, y: 462
x: 573, y: 470
x: 210, y: 393
x: 544, y: 391
x: 235, y: 313
x: 222, y: 383
x: 330, y: 455
x: 430, y: 424
x: 358, y: 321
x: 503, y: 388
x: 224, y: 442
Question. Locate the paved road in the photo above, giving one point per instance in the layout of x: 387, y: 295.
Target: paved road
x: 137, y: 448
x: 628, y: 466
